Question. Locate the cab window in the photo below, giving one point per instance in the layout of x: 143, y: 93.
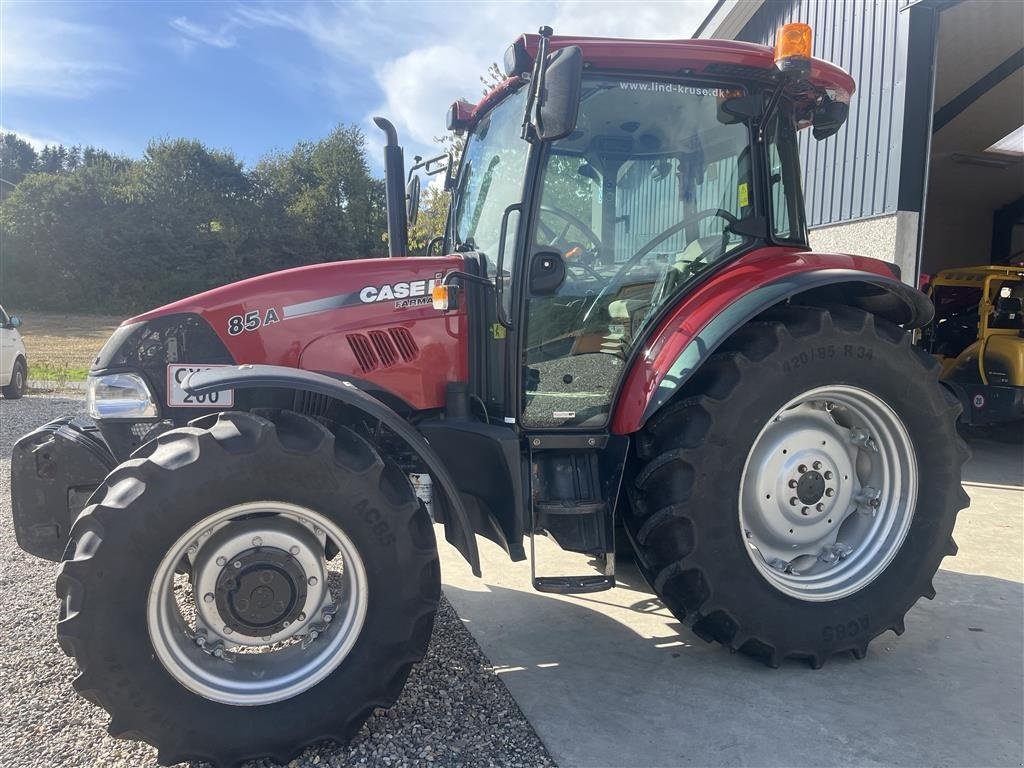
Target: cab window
x: 638, y: 208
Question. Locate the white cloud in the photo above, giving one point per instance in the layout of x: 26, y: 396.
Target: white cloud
x: 193, y: 32
x: 423, y: 56
x: 37, y: 141
x: 49, y: 56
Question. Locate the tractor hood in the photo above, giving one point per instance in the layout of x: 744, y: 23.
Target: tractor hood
x: 371, y: 321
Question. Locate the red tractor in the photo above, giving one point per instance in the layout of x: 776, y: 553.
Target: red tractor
x: 624, y: 333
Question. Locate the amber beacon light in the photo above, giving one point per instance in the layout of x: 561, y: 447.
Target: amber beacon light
x: 793, y: 48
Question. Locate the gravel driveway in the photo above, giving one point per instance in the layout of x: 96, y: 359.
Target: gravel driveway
x: 454, y: 711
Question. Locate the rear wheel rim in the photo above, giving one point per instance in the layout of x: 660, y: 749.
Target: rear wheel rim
x: 263, y: 618
x: 828, y: 493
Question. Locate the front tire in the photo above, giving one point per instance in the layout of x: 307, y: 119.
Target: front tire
x: 797, y: 497
x: 19, y: 381
x: 307, y: 584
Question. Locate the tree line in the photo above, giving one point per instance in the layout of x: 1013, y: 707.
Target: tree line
x: 86, y: 230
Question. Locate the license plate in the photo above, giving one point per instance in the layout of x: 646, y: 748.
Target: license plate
x: 177, y: 397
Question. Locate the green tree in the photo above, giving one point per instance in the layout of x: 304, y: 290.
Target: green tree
x: 17, y: 160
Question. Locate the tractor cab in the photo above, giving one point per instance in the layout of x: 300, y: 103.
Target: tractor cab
x: 587, y: 237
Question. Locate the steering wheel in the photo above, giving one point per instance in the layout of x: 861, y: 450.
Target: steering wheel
x: 650, y: 245
x: 570, y: 220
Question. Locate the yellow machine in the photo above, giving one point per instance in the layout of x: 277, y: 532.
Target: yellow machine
x: 978, y: 336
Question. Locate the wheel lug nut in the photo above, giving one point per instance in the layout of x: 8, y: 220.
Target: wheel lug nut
x: 829, y: 492
x: 237, y: 564
x: 312, y: 581
x: 257, y: 541
x: 792, y: 483
x: 227, y: 630
x: 817, y: 465
x: 819, y: 507
x: 828, y: 475
x: 208, y: 597
x: 222, y: 561
x: 802, y: 468
x: 794, y: 501
x: 301, y: 617
x: 294, y: 549
x: 803, y: 510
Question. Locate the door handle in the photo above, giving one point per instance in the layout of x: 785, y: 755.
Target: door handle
x: 499, y: 286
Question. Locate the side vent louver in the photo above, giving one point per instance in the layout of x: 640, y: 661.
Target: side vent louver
x: 383, y: 349
x: 363, y: 351
x: 406, y: 344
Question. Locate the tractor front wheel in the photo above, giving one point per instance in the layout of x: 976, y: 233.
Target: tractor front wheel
x: 246, y: 586
x: 798, y: 496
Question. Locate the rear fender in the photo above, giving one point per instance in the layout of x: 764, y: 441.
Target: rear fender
x: 458, y: 529
x: 702, y: 320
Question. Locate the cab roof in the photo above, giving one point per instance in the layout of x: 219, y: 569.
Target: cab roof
x: 693, y: 57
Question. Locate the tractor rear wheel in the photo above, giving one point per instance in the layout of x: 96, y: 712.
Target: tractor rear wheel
x: 797, y: 497
x: 246, y: 586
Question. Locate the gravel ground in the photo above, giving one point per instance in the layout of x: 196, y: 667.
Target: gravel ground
x: 454, y: 710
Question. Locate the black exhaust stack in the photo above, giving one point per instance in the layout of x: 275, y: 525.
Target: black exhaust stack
x: 394, y: 190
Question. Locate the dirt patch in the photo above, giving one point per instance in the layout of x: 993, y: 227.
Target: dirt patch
x: 62, y: 347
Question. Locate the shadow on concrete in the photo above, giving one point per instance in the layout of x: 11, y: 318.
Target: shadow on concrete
x: 617, y: 685
x: 995, y: 462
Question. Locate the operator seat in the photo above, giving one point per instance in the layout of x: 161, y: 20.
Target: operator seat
x: 627, y: 315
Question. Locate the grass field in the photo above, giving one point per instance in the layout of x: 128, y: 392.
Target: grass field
x: 61, y: 347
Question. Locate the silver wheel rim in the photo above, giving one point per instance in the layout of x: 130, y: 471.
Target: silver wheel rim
x: 197, y: 637
x: 828, y: 493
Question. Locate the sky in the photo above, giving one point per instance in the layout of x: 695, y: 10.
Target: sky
x: 257, y: 77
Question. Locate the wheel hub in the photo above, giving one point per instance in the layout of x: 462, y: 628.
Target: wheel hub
x: 259, y: 577
x: 261, y: 592
x: 810, y: 487
x: 828, y: 492
x: 260, y: 580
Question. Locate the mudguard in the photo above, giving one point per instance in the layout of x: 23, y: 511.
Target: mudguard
x: 458, y: 529
x: 692, y: 330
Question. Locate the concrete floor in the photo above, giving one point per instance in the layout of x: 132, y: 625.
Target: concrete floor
x: 611, y: 679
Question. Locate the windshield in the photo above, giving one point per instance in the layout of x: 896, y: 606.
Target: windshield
x: 491, y: 179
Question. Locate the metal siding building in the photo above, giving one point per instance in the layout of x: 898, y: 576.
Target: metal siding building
x: 866, y: 188
x: 855, y: 174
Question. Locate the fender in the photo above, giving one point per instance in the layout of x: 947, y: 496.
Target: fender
x: 693, y: 329
x: 458, y: 530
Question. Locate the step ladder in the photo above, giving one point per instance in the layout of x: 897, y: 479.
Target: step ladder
x: 579, y: 520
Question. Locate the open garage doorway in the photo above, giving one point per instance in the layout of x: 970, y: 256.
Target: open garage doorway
x: 974, y: 210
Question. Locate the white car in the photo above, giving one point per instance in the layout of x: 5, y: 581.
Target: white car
x: 13, y: 360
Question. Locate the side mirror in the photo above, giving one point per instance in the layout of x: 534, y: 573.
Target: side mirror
x: 547, y: 273
x: 412, y: 200
x: 14, y: 322
x: 560, y: 94
x: 828, y: 118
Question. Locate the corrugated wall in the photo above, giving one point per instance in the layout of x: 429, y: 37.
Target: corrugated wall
x: 855, y: 173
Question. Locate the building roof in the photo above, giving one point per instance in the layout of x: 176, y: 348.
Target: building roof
x: 727, y: 19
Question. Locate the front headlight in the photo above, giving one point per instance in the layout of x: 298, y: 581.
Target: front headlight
x: 120, y: 396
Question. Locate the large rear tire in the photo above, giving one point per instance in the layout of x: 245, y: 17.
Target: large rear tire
x: 797, y: 497
x: 315, y: 578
